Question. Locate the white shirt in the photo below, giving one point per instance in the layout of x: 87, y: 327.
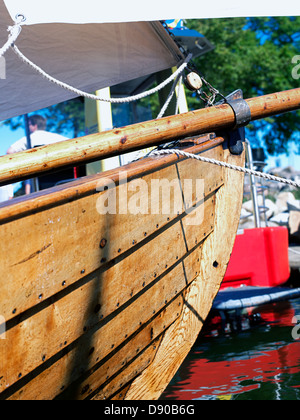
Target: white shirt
x: 6, y: 193
x: 38, y: 138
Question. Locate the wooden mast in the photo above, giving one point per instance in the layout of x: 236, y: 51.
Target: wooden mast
x: 138, y: 136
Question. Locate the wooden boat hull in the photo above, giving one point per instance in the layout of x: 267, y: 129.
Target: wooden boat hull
x: 108, y: 305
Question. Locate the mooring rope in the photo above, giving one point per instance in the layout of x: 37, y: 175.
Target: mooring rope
x: 225, y: 165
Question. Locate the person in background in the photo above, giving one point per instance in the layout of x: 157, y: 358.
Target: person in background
x: 39, y: 137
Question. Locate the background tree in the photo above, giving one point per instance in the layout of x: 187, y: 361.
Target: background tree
x: 65, y: 118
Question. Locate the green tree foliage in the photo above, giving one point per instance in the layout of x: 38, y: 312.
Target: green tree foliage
x: 254, y: 55
x: 67, y: 117
x: 64, y: 118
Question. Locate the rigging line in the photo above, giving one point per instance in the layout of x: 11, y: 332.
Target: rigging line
x: 96, y: 97
x: 14, y: 32
x: 169, y: 98
x: 225, y: 165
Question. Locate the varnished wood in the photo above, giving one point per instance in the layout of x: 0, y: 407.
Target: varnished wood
x: 43, y: 241
x: 75, y: 312
x: 23, y: 206
x: 115, y: 142
x: 181, y: 335
x: 108, y: 306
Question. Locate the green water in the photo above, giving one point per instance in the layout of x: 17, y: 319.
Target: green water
x: 260, y: 363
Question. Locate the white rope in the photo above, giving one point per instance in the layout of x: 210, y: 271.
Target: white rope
x: 179, y: 91
x: 225, y: 165
x: 79, y: 92
x: 293, y: 250
x: 169, y: 98
x: 13, y: 36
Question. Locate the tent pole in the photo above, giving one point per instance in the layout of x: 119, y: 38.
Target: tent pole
x: 32, y: 182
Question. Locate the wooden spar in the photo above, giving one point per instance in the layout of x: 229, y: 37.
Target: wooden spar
x: 138, y: 136
x: 274, y: 104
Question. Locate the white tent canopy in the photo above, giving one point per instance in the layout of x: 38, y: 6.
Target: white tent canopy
x: 78, y: 43
x: 95, y: 11
x: 88, y: 57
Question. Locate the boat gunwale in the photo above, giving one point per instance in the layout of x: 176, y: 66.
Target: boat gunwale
x: 86, y: 186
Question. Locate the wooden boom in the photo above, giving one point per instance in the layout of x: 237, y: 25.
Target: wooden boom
x: 138, y: 136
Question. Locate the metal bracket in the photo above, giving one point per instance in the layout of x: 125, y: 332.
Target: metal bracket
x: 236, y: 139
x: 242, y: 114
x: 240, y: 108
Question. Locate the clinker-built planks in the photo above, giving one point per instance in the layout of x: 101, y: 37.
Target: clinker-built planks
x: 97, y: 304
x: 100, y: 289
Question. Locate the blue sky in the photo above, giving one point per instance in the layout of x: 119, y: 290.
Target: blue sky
x: 293, y: 159
x: 7, y: 137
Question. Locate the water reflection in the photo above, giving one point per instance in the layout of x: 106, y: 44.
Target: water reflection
x: 260, y: 363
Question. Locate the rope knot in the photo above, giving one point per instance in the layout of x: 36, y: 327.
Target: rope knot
x: 14, y: 32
